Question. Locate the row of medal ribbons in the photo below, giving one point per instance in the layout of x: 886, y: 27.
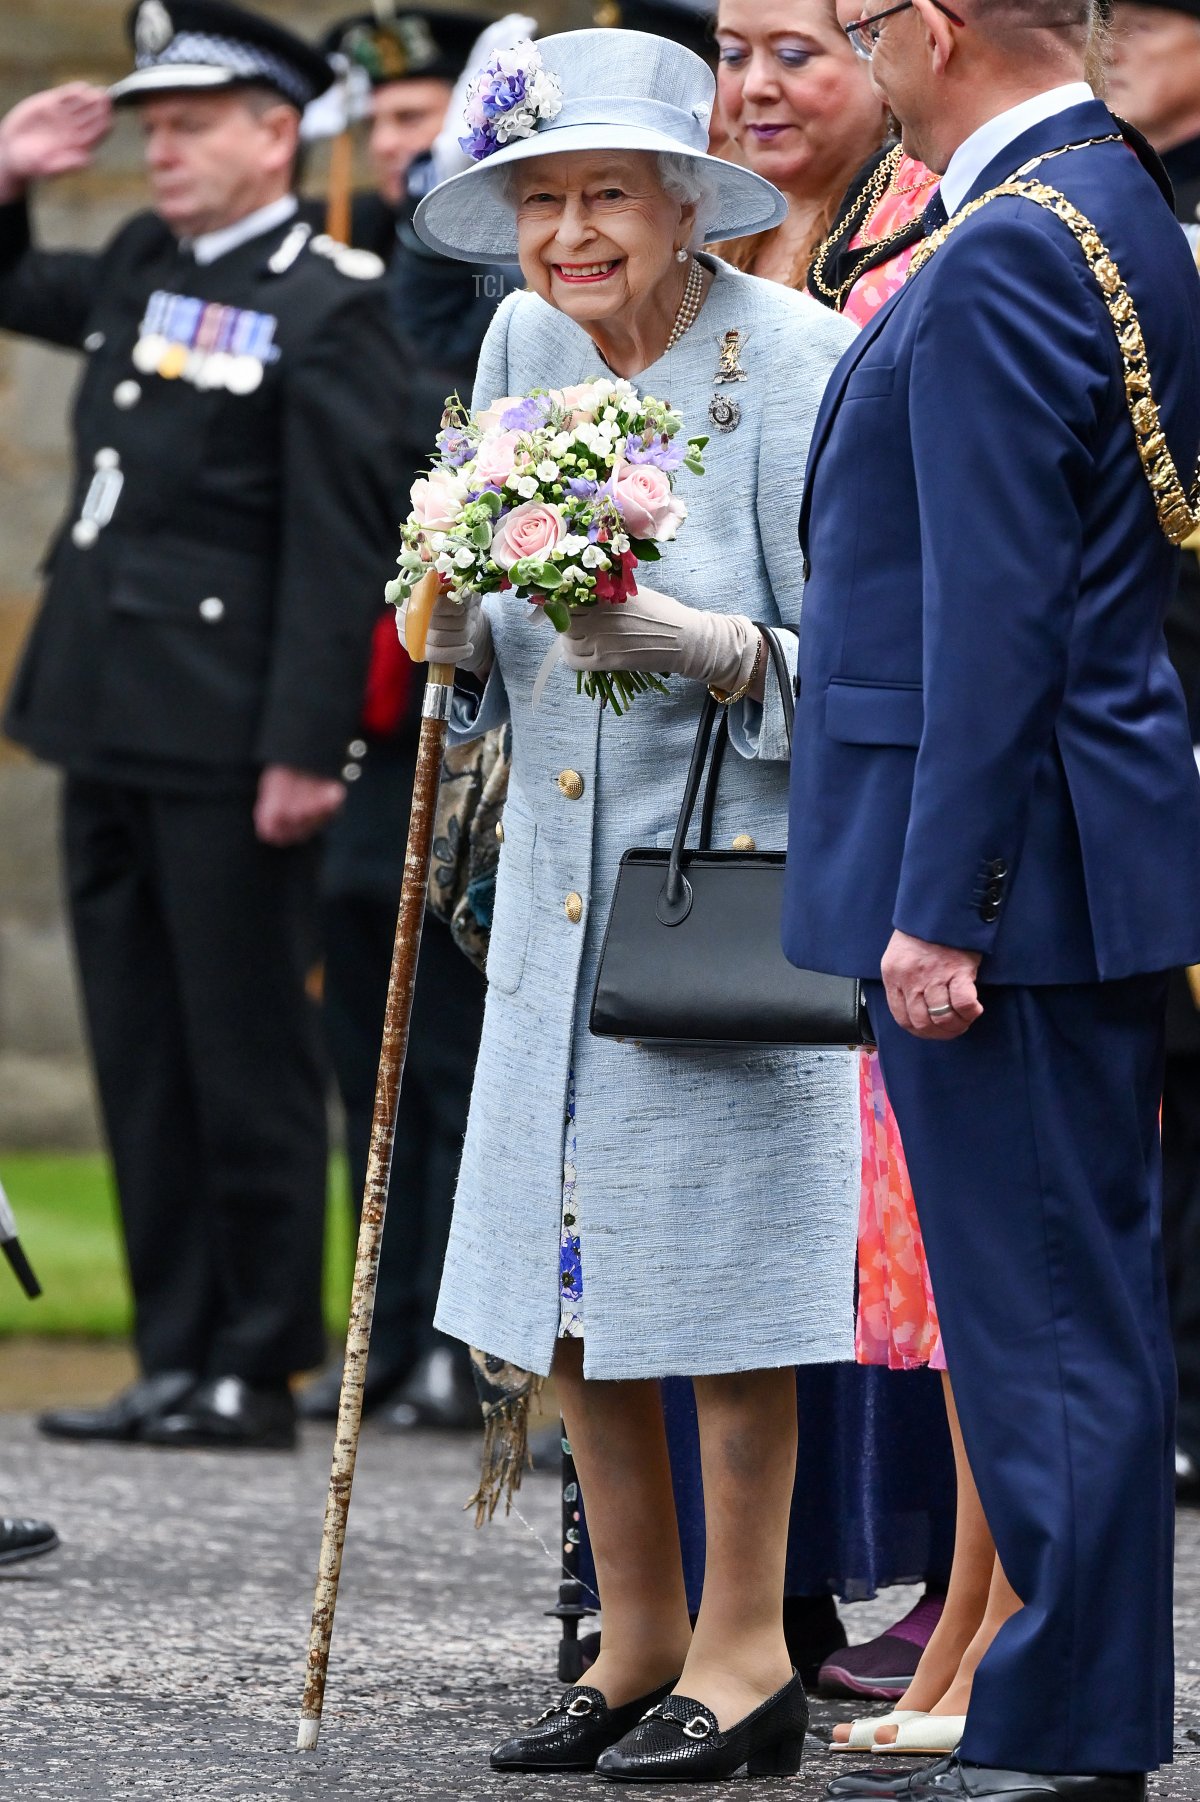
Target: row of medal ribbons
x: 201, y: 342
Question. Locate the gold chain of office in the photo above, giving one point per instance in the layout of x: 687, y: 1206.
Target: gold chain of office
x: 1178, y: 510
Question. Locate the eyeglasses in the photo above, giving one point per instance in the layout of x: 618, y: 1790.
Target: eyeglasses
x: 864, y: 33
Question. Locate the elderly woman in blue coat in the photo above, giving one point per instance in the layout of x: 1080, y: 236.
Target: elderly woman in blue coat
x: 625, y: 1212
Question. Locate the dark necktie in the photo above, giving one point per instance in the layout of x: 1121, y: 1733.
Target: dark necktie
x: 935, y: 215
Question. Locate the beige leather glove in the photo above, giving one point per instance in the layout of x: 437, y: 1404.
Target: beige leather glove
x: 659, y: 636
x: 458, y: 633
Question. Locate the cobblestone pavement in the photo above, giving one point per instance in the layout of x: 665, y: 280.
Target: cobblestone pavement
x: 160, y: 1652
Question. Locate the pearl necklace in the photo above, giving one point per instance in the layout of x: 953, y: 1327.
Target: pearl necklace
x: 689, y: 306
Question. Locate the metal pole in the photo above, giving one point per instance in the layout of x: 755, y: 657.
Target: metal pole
x: 435, y: 711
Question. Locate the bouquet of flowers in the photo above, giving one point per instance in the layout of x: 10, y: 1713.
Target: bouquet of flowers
x: 557, y: 495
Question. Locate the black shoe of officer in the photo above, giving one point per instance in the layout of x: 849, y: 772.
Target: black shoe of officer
x: 571, y: 1735
x: 953, y: 1780
x: 229, y: 1414
x: 126, y: 1417
x: 318, y: 1400
x: 440, y: 1393
x: 883, y: 1784
x: 681, y: 1741
x: 25, y: 1539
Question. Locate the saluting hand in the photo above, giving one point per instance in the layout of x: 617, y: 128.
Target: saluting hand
x: 53, y: 133
x: 931, y: 988
x: 292, y: 805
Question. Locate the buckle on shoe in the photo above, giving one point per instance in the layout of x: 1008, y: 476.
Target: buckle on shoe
x: 582, y: 1705
x: 697, y: 1727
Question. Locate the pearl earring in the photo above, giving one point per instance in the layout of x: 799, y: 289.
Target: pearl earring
x: 681, y: 256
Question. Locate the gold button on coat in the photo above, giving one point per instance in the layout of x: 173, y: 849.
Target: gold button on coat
x: 571, y: 784
x: 500, y: 830
x: 743, y: 842
x: 573, y: 908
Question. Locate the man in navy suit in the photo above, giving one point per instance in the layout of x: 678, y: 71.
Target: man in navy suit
x: 996, y: 822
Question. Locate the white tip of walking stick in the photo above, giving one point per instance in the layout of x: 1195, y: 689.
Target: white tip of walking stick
x: 306, y: 1738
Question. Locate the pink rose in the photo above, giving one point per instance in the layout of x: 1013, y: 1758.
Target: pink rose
x: 579, y: 402
x: 530, y: 530
x: 672, y: 519
x: 437, y: 499
x: 643, y: 494
x: 489, y: 419
x: 495, y: 458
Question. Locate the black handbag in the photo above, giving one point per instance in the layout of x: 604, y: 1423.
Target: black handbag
x: 692, y: 953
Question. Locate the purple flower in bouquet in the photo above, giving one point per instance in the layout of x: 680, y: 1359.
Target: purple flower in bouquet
x: 526, y: 416
x: 455, y: 447
x: 509, y: 98
x: 660, y: 453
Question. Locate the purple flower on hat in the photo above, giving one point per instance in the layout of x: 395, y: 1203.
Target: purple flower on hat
x: 509, y: 98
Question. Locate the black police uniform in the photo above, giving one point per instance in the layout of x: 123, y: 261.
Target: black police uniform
x: 207, y: 613
x: 439, y: 316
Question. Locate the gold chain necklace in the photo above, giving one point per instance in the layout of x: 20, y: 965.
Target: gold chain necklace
x: 689, y: 306
x: 862, y: 208
x: 913, y: 187
x: 1178, y: 509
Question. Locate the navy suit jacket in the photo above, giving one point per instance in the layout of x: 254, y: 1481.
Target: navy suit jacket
x: 992, y: 749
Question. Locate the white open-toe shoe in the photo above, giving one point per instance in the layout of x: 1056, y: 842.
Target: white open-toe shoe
x: 862, y: 1732
x: 924, y: 1735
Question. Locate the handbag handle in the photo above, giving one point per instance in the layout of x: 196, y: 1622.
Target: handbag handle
x: 675, y: 898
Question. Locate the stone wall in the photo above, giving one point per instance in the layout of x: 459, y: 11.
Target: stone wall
x: 45, y: 1091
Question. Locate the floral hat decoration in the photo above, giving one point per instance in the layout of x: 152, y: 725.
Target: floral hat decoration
x: 585, y: 90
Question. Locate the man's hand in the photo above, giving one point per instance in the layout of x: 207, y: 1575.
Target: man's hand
x: 53, y: 133
x: 292, y: 805
x: 921, y: 980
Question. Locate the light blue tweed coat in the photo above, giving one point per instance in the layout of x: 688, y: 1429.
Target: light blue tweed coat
x: 717, y: 1191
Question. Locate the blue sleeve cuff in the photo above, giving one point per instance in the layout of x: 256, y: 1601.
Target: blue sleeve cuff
x: 473, y: 715
x: 757, y: 731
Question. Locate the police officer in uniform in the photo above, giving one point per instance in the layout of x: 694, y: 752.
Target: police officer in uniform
x: 197, y: 669
x: 1154, y: 82
x: 440, y: 312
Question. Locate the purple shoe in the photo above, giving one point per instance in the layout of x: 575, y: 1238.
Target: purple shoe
x: 884, y: 1667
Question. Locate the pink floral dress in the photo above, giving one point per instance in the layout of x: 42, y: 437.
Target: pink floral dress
x: 897, y: 1319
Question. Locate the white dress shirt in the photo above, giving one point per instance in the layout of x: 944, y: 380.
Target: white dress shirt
x: 211, y: 245
x: 976, y: 152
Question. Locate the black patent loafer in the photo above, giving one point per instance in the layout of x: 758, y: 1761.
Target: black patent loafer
x: 679, y: 1741
x: 125, y: 1418
x: 571, y: 1735
x: 228, y: 1414
x: 886, y: 1786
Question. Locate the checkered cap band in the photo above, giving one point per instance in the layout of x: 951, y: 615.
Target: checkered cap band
x: 246, y: 62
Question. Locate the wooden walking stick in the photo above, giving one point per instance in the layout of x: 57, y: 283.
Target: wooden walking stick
x: 435, y: 710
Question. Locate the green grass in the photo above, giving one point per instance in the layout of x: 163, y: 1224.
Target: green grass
x: 68, y: 1225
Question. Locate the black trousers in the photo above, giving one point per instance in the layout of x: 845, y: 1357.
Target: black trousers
x: 443, y: 1045
x: 194, y: 941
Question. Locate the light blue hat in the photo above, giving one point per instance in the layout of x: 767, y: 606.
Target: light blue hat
x: 586, y: 90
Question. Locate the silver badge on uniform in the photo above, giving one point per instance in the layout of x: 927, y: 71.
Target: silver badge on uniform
x: 153, y: 29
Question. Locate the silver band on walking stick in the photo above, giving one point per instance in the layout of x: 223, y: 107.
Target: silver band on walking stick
x: 437, y: 700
